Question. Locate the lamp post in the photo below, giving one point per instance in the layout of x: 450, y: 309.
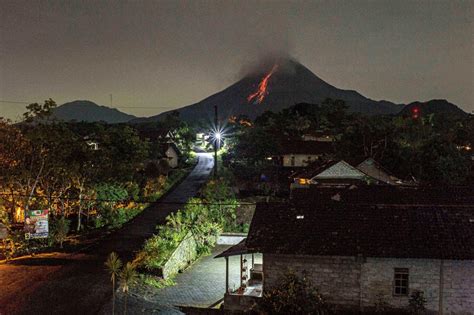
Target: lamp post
x: 217, y: 137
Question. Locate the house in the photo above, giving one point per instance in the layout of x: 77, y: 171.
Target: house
x: 91, y: 142
x: 319, y: 136
x: 357, y: 255
x: 299, y: 153
x: 160, y: 135
x: 171, y: 153
x: 342, y: 173
x: 163, y: 144
x: 373, y: 169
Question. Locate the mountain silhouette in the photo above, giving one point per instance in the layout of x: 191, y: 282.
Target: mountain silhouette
x: 90, y: 112
x: 289, y: 84
x: 433, y: 107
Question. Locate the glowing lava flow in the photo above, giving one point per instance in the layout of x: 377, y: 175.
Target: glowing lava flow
x: 261, y: 92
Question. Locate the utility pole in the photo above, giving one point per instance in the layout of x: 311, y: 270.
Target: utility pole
x: 216, y: 140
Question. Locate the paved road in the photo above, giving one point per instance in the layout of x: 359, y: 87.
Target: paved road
x: 60, y: 283
x: 201, y: 285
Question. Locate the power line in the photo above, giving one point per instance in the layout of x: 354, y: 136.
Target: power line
x: 124, y: 200
x: 141, y: 107
x: 14, y: 102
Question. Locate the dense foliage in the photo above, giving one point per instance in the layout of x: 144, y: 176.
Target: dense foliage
x: 202, y: 218
x: 294, y: 295
x: 87, y: 175
x: 433, y: 148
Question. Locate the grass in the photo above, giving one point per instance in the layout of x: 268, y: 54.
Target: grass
x: 156, y: 282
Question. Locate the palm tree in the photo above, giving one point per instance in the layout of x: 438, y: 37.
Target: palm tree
x: 113, y: 264
x: 127, y: 278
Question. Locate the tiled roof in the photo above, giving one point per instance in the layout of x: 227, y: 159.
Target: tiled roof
x: 314, y: 169
x: 377, y: 194
x: 367, y: 166
x: 153, y: 134
x: 436, y: 232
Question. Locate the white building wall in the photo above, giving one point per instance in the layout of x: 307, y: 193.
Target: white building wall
x: 172, y: 157
x: 377, y: 281
x: 336, y: 278
x: 458, y: 288
x: 352, y: 282
x: 300, y: 159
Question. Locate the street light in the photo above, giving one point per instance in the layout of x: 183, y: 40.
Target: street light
x: 217, y: 136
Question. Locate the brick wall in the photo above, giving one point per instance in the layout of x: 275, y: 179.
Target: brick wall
x: 337, y: 278
x: 377, y: 281
x: 352, y: 282
x: 458, y: 287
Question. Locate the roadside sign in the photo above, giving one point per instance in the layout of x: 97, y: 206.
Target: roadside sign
x: 36, y: 224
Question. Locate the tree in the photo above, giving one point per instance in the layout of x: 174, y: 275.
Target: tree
x: 128, y: 276
x: 14, y: 150
x: 367, y: 137
x: 333, y: 115
x: 255, y: 145
x: 113, y: 265
x: 38, y: 112
x: 60, y: 230
x: 441, y: 162
x: 110, y: 196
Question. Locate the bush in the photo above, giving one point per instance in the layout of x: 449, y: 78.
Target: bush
x: 294, y: 295
x: 59, y: 230
x: 113, y: 210
x: 159, y: 248
x: 417, y: 302
x: 204, y: 218
x: 206, y: 235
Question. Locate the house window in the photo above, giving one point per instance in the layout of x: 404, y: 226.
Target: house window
x: 400, y: 283
x: 292, y: 161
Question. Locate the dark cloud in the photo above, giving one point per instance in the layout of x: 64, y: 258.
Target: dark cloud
x: 166, y: 54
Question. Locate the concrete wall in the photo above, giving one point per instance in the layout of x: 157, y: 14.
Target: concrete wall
x: 377, y: 280
x: 337, y: 278
x: 173, y: 158
x: 458, y: 288
x: 183, y: 255
x: 300, y: 159
x: 230, y: 238
x: 353, y: 282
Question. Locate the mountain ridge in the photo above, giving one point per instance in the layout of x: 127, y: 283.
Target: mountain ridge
x: 434, y: 106
x: 290, y: 84
x: 88, y: 111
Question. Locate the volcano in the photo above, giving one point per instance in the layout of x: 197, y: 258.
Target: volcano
x: 277, y: 86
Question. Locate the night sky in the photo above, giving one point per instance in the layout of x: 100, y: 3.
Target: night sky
x: 166, y: 54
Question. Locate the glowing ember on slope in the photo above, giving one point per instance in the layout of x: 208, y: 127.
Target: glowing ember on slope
x: 262, y: 91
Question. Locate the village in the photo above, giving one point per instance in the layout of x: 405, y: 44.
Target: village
x: 249, y: 209
x: 236, y: 157
x: 347, y: 235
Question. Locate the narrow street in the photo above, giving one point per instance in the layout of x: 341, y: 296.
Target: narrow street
x: 59, y: 283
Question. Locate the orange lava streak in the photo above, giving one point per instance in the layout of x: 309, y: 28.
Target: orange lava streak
x: 261, y: 92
